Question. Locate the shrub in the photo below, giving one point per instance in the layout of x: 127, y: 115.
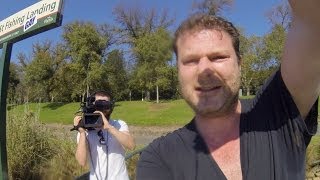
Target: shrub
x: 63, y: 164
x: 28, y: 146
x: 313, y: 152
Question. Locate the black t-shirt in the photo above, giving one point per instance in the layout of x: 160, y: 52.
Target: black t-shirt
x: 273, y: 141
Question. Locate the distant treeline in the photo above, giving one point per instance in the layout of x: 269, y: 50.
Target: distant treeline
x: 132, y: 58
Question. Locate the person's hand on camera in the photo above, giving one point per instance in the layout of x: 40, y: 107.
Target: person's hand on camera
x: 106, y: 124
x: 76, y: 121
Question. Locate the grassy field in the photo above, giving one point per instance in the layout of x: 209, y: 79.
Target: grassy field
x: 142, y: 113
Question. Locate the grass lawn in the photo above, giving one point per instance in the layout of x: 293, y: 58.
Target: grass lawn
x: 143, y: 113
x: 175, y: 112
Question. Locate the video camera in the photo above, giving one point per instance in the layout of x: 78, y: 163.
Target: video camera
x: 91, y: 120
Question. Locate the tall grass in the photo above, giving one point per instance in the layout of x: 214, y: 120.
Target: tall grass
x: 29, y: 145
x: 313, y: 152
x: 36, y: 152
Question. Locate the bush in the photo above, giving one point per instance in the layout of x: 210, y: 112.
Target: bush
x: 313, y: 152
x: 63, y: 164
x: 28, y: 146
x: 131, y: 166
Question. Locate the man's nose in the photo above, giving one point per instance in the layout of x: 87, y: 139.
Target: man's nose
x: 204, y: 65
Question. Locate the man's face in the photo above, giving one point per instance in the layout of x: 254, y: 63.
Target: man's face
x: 104, y: 98
x: 208, y: 71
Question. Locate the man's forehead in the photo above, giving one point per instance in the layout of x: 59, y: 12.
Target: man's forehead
x: 204, y: 34
x: 98, y: 97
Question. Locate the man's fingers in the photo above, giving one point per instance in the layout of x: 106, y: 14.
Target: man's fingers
x: 76, y: 120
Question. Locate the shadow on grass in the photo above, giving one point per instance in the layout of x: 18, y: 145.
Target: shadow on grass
x: 11, y: 106
x: 54, y: 106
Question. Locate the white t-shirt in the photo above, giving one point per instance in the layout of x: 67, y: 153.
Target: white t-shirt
x: 107, y: 163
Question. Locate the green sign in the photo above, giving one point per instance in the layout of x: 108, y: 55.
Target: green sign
x: 35, y: 19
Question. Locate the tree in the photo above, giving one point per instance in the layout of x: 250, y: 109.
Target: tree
x: 86, y: 45
x: 63, y: 83
x: 153, y: 51
x: 41, y: 72
x: 135, y: 26
x: 274, y: 43
x: 134, y: 23
x: 280, y: 15
x: 14, y: 80
x: 280, y: 18
x: 213, y: 7
x: 117, y: 75
x: 250, y: 61
x: 22, y: 88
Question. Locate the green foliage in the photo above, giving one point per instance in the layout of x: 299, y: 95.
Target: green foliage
x: 274, y: 44
x: 28, y: 145
x: 63, y: 164
x: 260, y: 57
x: 86, y: 45
x: 249, y: 61
x: 313, y: 152
x: 40, y: 72
x: 36, y: 151
x: 14, y: 80
x: 116, y: 75
x: 154, y: 52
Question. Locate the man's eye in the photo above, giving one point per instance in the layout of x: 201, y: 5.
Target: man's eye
x: 218, y: 58
x: 190, y: 62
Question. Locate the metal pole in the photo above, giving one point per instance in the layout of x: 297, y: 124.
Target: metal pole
x: 4, y: 77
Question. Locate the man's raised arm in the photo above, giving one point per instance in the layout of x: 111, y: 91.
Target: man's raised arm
x: 301, y: 59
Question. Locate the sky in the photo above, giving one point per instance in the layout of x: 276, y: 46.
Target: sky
x: 247, y: 14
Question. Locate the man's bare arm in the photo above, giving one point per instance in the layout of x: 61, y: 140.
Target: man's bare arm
x: 81, y: 152
x: 301, y: 59
x: 124, y: 138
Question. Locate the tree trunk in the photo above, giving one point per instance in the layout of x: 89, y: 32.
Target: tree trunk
x: 248, y: 90
x: 157, y: 94
x: 147, y: 96
x: 83, y: 98
x: 142, y: 95
x: 87, y: 89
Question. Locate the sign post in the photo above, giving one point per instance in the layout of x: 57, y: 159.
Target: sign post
x: 28, y: 22
x: 4, y: 75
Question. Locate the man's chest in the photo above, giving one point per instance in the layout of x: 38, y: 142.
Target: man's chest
x: 227, y: 158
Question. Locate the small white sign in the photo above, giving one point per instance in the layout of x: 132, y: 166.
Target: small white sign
x: 21, y: 18
x: 29, y: 23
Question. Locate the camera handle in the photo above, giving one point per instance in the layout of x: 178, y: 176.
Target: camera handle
x: 76, y: 128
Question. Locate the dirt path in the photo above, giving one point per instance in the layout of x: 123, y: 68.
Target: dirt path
x: 143, y: 134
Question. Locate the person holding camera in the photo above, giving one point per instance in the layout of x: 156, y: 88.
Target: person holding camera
x: 103, y: 146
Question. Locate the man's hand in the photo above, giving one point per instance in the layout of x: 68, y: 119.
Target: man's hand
x: 125, y: 139
x: 106, y: 124
x: 76, y: 121
x: 307, y: 10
